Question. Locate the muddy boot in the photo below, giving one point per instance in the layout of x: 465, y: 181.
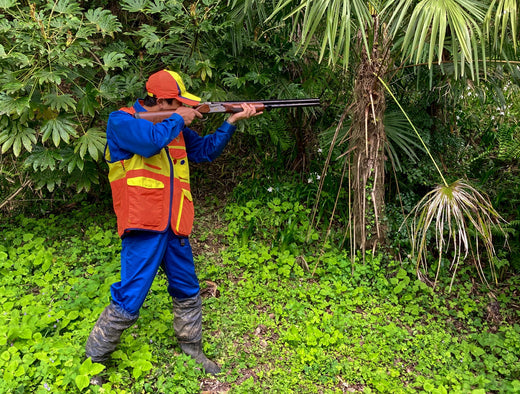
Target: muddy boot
x: 105, y: 335
x: 187, y: 323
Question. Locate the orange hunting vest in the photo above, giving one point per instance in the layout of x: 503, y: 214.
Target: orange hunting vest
x: 145, y: 194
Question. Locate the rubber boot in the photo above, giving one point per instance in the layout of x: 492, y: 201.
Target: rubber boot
x: 106, y: 334
x: 187, y: 323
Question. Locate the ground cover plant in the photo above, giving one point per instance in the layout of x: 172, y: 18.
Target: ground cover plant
x: 271, y: 324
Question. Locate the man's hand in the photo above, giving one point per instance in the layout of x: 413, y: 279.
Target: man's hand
x: 249, y: 110
x: 188, y: 114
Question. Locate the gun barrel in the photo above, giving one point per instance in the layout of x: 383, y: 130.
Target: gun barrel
x: 315, y: 101
x: 261, y: 105
x: 233, y: 106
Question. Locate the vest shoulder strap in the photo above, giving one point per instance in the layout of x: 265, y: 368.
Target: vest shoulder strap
x: 128, y: 110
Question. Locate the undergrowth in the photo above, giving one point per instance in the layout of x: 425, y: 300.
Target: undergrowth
x: 271, y: 324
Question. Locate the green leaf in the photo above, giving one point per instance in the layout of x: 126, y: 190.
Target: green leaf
x: 84, y: 179
x: 156, y: 7
x: 82, y: 381
x: 58, y: 102
x: 42, y: 159
x: 401, y: 274
x: 18, y: 59
x: 71, y: 160
x: 113, y: 60
x: 65, y: 7
x: 10, y: 105
x: 96, y: 368
x: 94, y: 141
x: 13, y: 87
x: 7, y: 3
x: 88, y: 103
x: 59, y: 129
x: 16, y: 137
x: 85, y: 367
x: 47, y: 76
x: 105, y: 22
x: 149, y: 39
x: 134, y: 5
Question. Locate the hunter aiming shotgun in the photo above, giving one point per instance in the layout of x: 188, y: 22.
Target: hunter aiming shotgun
x: 232, y: 107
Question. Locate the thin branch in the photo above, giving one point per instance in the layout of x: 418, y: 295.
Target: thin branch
x: 14, y: 194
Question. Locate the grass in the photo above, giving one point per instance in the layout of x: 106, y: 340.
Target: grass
x: 268, y: 322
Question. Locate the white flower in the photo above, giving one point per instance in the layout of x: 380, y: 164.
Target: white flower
x: 270, y: 189
x: 318, y: 177
x: 320, y: 150
x: 309, y: 180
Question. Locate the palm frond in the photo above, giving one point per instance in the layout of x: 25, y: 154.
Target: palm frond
x: 453, y: 213
x: 501, y: 16
x: 436, y: 26
x: 400, y: 138
x: 329, y: 24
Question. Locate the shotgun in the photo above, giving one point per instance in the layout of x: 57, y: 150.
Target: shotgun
x: 232, y: 107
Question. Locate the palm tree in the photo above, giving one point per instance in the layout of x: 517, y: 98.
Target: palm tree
x: 388, y: 35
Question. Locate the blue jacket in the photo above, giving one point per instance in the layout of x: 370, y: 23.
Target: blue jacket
x: 127, y: 136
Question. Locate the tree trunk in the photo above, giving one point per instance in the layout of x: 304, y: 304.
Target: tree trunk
x: 367, y: 143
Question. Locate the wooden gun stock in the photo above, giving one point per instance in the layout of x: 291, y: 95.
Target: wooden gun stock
x: 231, y: 107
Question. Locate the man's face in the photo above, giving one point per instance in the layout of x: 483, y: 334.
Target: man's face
x: 163, y: 105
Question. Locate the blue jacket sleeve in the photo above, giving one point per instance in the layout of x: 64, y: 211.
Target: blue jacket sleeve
x: 209, y: 147
x: 127, y: 136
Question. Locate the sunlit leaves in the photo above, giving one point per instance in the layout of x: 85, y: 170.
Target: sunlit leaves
x: 93, y: 141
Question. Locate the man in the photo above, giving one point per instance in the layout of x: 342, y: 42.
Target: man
x: 149, y: 177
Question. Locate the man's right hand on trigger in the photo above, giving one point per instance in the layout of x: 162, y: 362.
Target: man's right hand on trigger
x: 188, y: 114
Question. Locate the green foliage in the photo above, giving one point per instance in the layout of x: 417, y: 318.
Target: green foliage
x: 362, y: 325
x: 51, y: 79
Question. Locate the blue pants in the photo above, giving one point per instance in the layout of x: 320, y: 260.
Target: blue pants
x: 142, y: 254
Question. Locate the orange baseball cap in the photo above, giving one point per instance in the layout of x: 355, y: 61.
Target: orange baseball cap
x: 168, y: 84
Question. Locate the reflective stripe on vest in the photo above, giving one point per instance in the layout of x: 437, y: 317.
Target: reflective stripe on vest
x: 142, y: 191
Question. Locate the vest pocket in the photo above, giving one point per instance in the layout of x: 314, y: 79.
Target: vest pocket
x: 183, y: 218
x: 145, y: 201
